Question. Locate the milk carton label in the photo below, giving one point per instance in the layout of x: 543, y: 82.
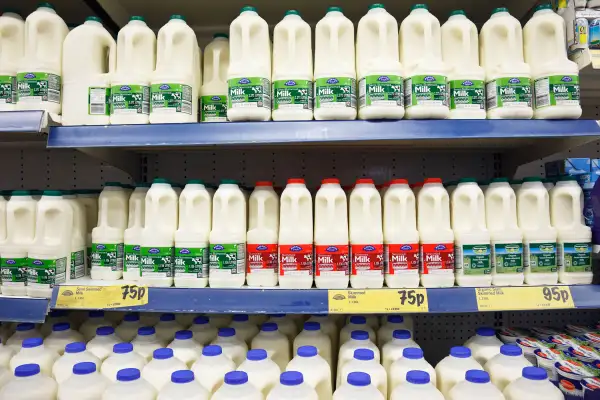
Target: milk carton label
x: 213, y: 108
x: 332, y: 260
x: 575, y: 256
x: 156, y: 262
x: 13, y: 271
x: 401, y: 258
x: 132, y: 257
x: 295, y: 259
x: 293, y: 94
x: 381, y: 90
x: 8, y: 89
x: 77, y: 264
x: 262, y: 258
x: 473, y: 259
x: 426, y: 90
x: 227, y: 258
x: 437, y: 258
x: 98, y: 101
x: 508, y: 92
x: 540, y: 257
x: 38, y: 86
x: 107, y: 255
x: 507, y: 258
x: 335, y: 93
x: 467, y: 94
x: 557, y: 90
x: 252, y: 92
x: 191, y: 262
x: 46, y: 272
x: 367, y: 259
x: 130, y: 99
x: 171, y: 98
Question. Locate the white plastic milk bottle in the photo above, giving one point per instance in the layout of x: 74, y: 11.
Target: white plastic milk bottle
x: 285, y: 325
x: 574, y: 238
x: 292, y: 69
x: 89, y: 59
x: 78, y: 237
x: 476, y: 386
x: 211, y: 367
x: 129, y: 383
x: 292, y: 385
x: 50, y: 253
x: 176, y: 81
x: 33, y: 350
x: 227, y: 262
x: 203, y: 331
x: 358, y: 386
x: 74, y: 354
x: 274, y: 342
x: 534, y: 385
x: 29, y: 384
x: 231, y: 345
x: 102, y: 344
x: 412, y: 360
x: 39, y: 76
x: 130, y: 84
x: 332, y: 256
x: 393, y: 323
x: 249, y: 73
x: 85, y: 383
x: 416, y: 385
x: 296, y: 236
x: 191, y: 238
x: 394, y: 349
x: 122, y: 357
x: 426, y: 76
x: 23, y: 331
x: 460, y: 51
x: 335, y: 67
x: 358, y: 340
x: 508, y: 77
x: 484, y: 345
x: 437, y: 238
x: 158, y: 371
x: 453, y: 368
x: 237, y: 386
x: 380, y: 82
x: 61, y: 336
x: 133, y: 234
x: 506, y: 237
x: 312, y: 335
x: 400, y: 236
x: 183, y: 386
x: 556, y: 78
x: 263, y: 228
x: 364, y: 361
x: 94, y: 321
x: 213, y: 93
x: 315, y: 370
x: 167, y: 327
x: 89, y: 200
x: 12, y: 43
x: 263, y: 373
x: 507, y: 366
x: 539, y: 246
x: 366, y: 236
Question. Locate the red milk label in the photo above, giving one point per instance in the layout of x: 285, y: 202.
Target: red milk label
x: 332, y: 260
x: 401, y: 258
x: 367, y: 257
x: 261, y: 257
x: 295, y: 259
x: 437, y: 257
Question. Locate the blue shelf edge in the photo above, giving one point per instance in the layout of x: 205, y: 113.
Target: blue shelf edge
x: 23, y: 309
x: 22, y: 121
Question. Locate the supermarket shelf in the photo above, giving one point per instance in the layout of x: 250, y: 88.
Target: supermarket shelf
x: 23, y: 128
x: 23, y: 309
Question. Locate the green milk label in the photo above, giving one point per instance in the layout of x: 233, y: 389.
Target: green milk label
x: 13, y: 271
x: 107, y: 255
x: 557, y: 90
x: 130, y: 99
x: 466, y: 94
x: 230, y: 257
x: 47, y: 272
x: 132, y: 257
x: 156, y: 262
x: 473, y: 259
x: 171, y: 98
x: 98, y: 101
x: 8, y: 89
x: 38, y: 86
x: 426, y: 90
x: 191, y: 262
x: 381, y: 90
x: 335, y: 92
x: 540, y: 257
x: 575, y: 256
x: 507, y: 258
x: 294, y: 94
x: 509, y: 92
x: 77, y: 264
x: 251, y: 92
x: 213, y: 108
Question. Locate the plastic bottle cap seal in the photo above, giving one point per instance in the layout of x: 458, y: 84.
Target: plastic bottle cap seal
x: 418, y: 377
x: 182, y: 376
x: 412, y: 353
x: 401, y: 334
x: 122, y: 348
x: 212, y: 350
x: 359, y: 335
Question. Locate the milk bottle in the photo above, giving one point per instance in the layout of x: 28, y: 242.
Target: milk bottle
x: 392, y: 323
x: 127, y: 330
x: 211, y: 367
x: 231, y: 345
x: 412, y: 360
x: 359, y: 340
x: 62, y: 335
x: 29, y: 384
x: 227, y: 262
x: 335, y: 67
x: 133, y: 234
x: 394, y: 349
x: 94, y: 321
x: 275, y: 343
x: 296, y: 236
x: 236, y: 386
x: 466, y: 79
x: 78, y: 237
x: 574, y: 238
x: 220, y: 320
x: 130, y: 84
x: 146, y: 342
x: 471, y: 237
x: 202, y: 331
x: 50, y: 253
x: 285, y: 325
x: 506, y: 367
x: 6, y: 353
x: 166, y: 327
x: 453, y: 368
x: 556, y: 78
x: 534, y: 385
x: 85, y: 383
x: 400, y: 236
x: 508, y: 77
x: 12, y: 32
x: 122, y: 357
x: 102, y: 345
x: 364, y: 361
x: 291, y: 385
x: 89, y: 200
x: 262, y: 372
x: 183, y: 386
x: 249, y: 73
x: 191, y: 238
x: 89, y: 59
x: 158, y: 371
x: 506, y: 237
x: 107, y: 237
x: 20, y: 232
x: 380, y: 85
x: 315, y: 370
x: 416, y: 385
x: 53, y: 317
x: 356, y: 323
x: 185, y: 348
x: 34, y: 351
x: 129, y: 382
x: 23, y: 331
x: 329, y: 327
x: 539, y: 246
x: 358, y: 386
x: 484, y: 345
x: 263, y: 228
x: 332, y: 263
x: 39, y: 74
x: 476, y: 385
x: 313, y: 336
x: 75, y: 353
x: 213, y: 93
x: 437, y: 238
x: 175, y: 83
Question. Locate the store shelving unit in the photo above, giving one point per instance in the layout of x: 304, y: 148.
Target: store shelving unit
x: 23, y: 309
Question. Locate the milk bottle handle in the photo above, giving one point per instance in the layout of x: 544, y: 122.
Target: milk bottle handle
x: 291, y: 41
x: 512, y: 40
x: 334, y: 40
x: 576, y: 213
x: 112, y: 53
x: 427, y: 35
x: 103, y: 213
x: 382, y: 37
x: 261, y: 211
x: 246, y: 46
x: 216, y: 61
x: 466, y: 32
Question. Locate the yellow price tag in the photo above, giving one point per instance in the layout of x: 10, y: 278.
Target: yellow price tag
x: 358, y: 301
x: 524, y: 298
x: 96, y: 297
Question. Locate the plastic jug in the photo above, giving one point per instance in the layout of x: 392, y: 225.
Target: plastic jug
x: 6, y: 353
x: 227, y: 262
x: 533, y: 210
x: 508, y: 77
x: 89, y: 60
x: 275, y: 343
x: 416, y: 384
x: 358, y: 386
x: 146, y: 342
x: 33, y: 351
x: 78, y: 237
x: 122, y: 357
x: 85, y: 383
x: 191, y: 238
x: 203, y: 331
x: 263, y: 229
x: 249, y: 73
x: 332, y: 256
x: 158, y: 371
x: 394, y: 349
x: 133, y: 234
x: 285, y: 325
x: 39, y: 75
x: 506, y: 367
x: 412, y: 360
x: 75, y: 353
x: 437, y: 238
x: 400, y: 236
x: 211, y: 367
x: 95, y: 319
x: 130, y: 84
x: 506, y: 237
x: 484, y: 345
x: 23, y: 331
x: 330, y: 328
x: 263, y: 373
x: 102, y: 345
x: 574, y: 238
x: 466, y: 79
x: 556, y: 78
x: 296, y: 236
x: 50, y: 253
x: 53, y: 317
x: 237, y: 386
x: 534, y: 385
x: 185, y: 348
x: 476, y: 385
x: 314, y: 369
x: 364, y: 361
x: 166, y: 327
x: 29, y: 384
x: 89, y: 200
x: 62, y: 335
x: 213, y: 93
x: 359, y: 340
x: 380, y: 79
x: 129, y: 384
x: 12, y: 32
x: 292, y: 386
x: 312, y: 335
x: 356, y: 323
x: 335, y: 67
x: 453, y: 368
x: 392, y: 323
x: 231, y: 345
x: 183, y: 386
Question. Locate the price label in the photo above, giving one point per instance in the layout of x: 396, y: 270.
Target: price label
x: 100, y: 297
x: 524, y: 298
x: 378, y: 301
